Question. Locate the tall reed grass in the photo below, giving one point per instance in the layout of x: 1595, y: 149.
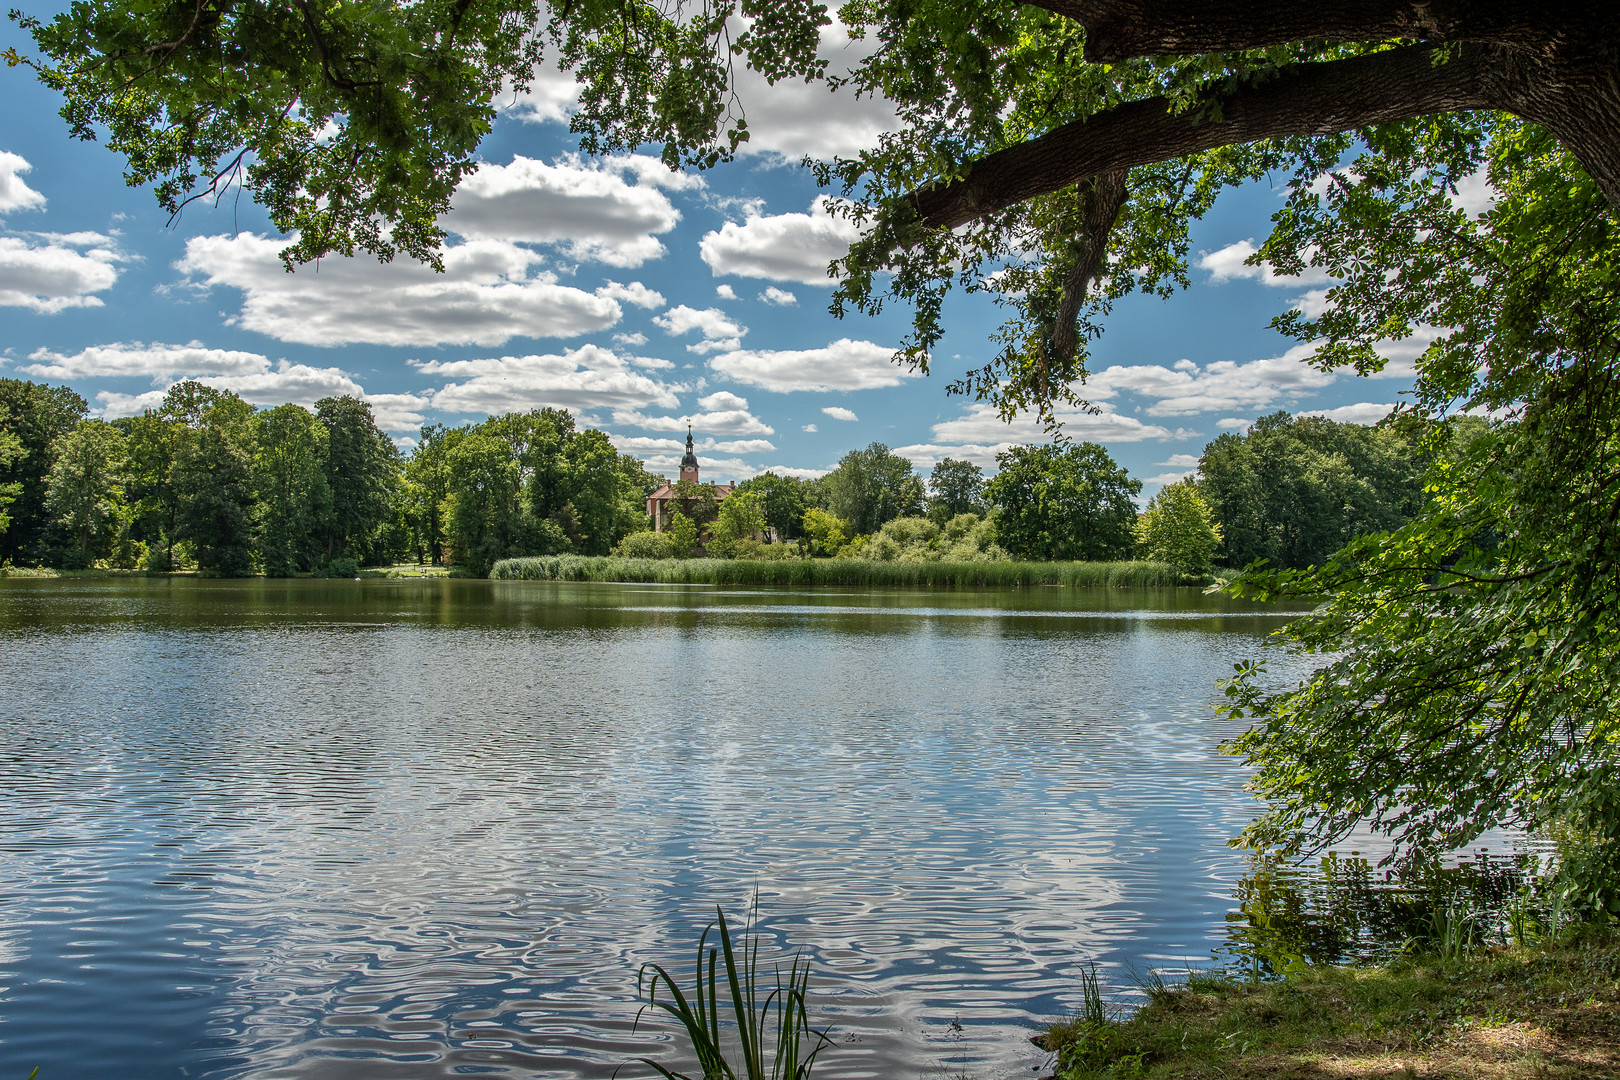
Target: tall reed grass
x: 934, y: 575
x: 699, y: 1012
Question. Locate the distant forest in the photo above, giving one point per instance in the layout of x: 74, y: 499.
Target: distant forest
x: 208, y: 482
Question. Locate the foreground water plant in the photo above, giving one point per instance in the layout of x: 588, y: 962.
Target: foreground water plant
x: 699, y: 1013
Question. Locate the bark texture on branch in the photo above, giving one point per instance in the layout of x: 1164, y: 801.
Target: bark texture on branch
x: 1311, y: 99
x: 1121, y: 29
x: 1102, y: 199
x: 1552, y: 62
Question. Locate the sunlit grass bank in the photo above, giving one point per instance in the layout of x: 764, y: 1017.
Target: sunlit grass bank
x: 1552, y: 1010
x: 938, y: 575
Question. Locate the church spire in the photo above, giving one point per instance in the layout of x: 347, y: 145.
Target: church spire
x: 689, y: 463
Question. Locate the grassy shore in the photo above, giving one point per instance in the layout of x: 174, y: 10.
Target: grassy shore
x: 859, y: 572
x: 1549, y: 1011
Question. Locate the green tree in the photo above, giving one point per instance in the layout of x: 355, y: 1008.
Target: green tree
x: 294, y: 497
x: 152, y: 439
x: 741, y: 517
x: 783, y: 498
x: 964, y: 538
x: 683, y: 534
x: 485, y: 501
x: 11, y: 451
x: 213, y: 477
x: 872, y: 486
x: 1068, y: 501
x: 1296, y: 489
x: 828, y: 534
x: 608, y: 502
x: 1179, y: 528
x: 1472, y: 662
x: 362, y: 471
x: 84, y: 491
x: 426, y: 491
x: 955, y: 487
x: 35, y: 415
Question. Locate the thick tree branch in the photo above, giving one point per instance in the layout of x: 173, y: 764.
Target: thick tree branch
x: 1309, y: 99
x: 1120, y: 29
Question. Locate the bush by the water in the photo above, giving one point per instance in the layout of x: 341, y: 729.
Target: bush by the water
x: 645, y: 545
x: 834, y: 572
x: 964, y: 538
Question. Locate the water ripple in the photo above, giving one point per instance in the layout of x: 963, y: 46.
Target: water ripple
x: 433, y: 829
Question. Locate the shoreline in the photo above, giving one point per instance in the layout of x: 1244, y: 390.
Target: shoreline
x: 1548, y: 1010
x: 701, y: 571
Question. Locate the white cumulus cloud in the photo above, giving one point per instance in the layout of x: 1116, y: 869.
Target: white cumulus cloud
x: 552, y: 97
x: 634, y: 293
x: 787, y: 121
x: 1363, y: 412
x: 719, y: 413
x: 589, y: 377
x: 486, y: 295
x: 134, y: 359
x: 778, y: 297
x: 794, y: 119
x: 839, y: 413
x: 720, y: 331
x: 843, y: 365
x: 781, y: 247
x: 15, y: 194
x: 982, y: 425
x: 1230, y: 263
x: 585, y: 208
x: 1184, y: 388
x: 51, y: 272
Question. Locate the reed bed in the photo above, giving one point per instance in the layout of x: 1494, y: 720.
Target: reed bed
x: 857, y: 572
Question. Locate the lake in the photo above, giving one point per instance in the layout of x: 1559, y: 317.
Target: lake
x: 432, y: 828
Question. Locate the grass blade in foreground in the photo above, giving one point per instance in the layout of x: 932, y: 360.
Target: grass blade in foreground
x: 699, y: 1013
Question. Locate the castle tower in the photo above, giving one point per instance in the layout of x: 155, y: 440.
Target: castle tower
x: 689, y: 463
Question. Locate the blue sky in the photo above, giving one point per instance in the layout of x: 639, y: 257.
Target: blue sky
x: 637, y: 298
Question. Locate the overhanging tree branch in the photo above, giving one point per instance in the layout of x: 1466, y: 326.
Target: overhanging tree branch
x: 1310, y: 99
x: 1122, y: 29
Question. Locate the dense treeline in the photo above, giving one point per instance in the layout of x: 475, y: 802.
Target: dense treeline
x: 208, y: 481
x: 1294, y: 490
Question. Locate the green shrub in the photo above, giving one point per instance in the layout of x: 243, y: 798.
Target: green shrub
x: 964, y: 538
x: 683, y: 535
x: 342, y: 567
x: 1179, y: 528
x: 851, y: 572
x: 645, y: 545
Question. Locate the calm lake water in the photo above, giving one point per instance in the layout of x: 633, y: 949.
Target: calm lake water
x: 412, y: 829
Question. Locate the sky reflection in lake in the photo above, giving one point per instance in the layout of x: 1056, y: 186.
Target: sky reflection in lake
x: 413, y: 829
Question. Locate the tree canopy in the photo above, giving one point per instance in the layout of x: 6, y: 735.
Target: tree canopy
x: 1293, y: 490
x: 1063, y: 501
x: 872, y: 486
